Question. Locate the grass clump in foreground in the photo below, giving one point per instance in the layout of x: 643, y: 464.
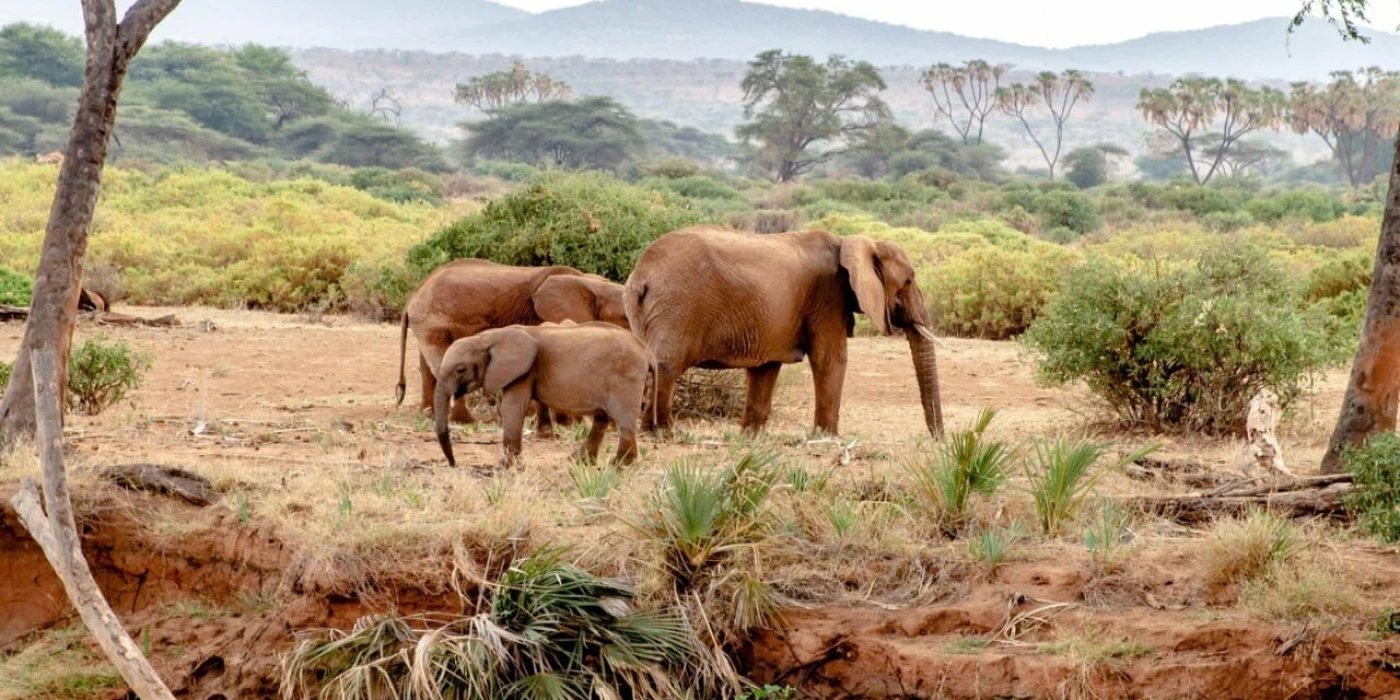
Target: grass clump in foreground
x: 967, y: 463
x: 57, y: 664
x: 1062, y: 478
x: 1243, y: 550
x: 550, y: 630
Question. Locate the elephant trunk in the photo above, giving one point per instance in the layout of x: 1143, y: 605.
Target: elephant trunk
x: 442, y: 408
x: 921, y: 345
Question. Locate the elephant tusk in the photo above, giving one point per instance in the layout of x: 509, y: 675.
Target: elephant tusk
x: 928, y: 335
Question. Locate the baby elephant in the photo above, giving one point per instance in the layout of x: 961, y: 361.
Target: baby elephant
x: 589, y: 369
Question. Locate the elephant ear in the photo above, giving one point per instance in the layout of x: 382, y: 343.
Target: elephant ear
x: 512, y: 356
x: 565, y: 298
x: 858, y: 256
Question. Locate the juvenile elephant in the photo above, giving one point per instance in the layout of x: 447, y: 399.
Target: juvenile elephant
x: 714, y: 298
x: 464, y: 297
x: 589, y: 369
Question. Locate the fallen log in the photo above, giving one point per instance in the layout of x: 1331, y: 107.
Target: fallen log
x: 1307, y: 496
x: 13, y: 313
x: 157, y: 478
x: 113, y: 318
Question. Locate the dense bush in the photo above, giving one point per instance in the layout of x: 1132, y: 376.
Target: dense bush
x: 101, y: 372
x: 1184, y: 346
x: 992, y: 292
x: 5, y: 369
x: 15, y: 289
x: 1340, y: 275
x: 589, y: 221
x: 1375, y: 467
x: 1308, y: 205
x: 696, y: 187
x: 402, y: 186
x: 510, y: 172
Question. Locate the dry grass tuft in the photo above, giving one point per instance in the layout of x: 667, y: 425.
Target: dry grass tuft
x: 1241, y: 550
x: 57, y: 663
x: 716, y: 394
x: 1309, y: 589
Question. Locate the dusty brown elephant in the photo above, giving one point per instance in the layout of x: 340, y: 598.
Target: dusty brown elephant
x: 589, y: 369
x: 464, y: 297
x: 714, y: 298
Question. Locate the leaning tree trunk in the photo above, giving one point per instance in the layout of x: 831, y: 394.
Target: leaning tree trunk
x: 926, y: 372
x: 1373, y: 394
x: 58, y: 281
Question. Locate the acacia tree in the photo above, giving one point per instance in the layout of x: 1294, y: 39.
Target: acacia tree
x: 493, y: 91
x: 965, y: 95
x: 1355, y: 115
x: 58, y: 282
x: 1187, y: 110
x: 802, y: 113
x: 1057, y: 95
x: 1373, y: 391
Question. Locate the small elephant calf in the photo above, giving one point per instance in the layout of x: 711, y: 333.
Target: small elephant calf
x: 590, y: 369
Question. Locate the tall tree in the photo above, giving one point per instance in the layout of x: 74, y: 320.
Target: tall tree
x: 965, y: 95
x: 1088, y: 166
x: 1373, y: 390
x: 1355, y: 115
x: 58, y: 282
x: 594, y: 132
x: 491, y: 92
x: 1187, y: 110
x: 1057, y: 95
x: 802, y: 113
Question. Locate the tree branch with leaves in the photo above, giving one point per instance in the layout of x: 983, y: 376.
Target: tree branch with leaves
x: 1057, y: 96
x: 965, y: 95
x: 802, y: 113
x: 1189, y: 108
x: 491, y: 92
x: 1355, y: 115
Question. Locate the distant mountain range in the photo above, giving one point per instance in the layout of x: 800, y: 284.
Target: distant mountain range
x: 726, y: 29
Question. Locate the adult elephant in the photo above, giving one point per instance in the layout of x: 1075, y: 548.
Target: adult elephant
x: 713, y: 298
x: 464, y: 297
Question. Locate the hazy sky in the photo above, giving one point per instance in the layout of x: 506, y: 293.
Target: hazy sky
x: 1054, y: 24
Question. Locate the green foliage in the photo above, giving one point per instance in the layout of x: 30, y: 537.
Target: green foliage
x: 992, y: 545
x: 596, y: 133
x: 102, y: 372
x: 769, y: 692
x: 798, y: 111
x: 1375, y: 468
x: 967, y: 463
x: 15, y: 289
x: 696, y: 187
x: 510, y: 172
x: 1105, y: 530
x: 684, y: 143
x: 1307, y: 205
x: 1088, y: 166
x: 5, y: 370
x: 403, y: 186
x: 42, y: 53
x: 551, y: 631
x: 993, y: 292
x: 1227, y: 221
x: 1183, y: 346
x: 1340, y: 275
x: 1061, y: 477
x: 588, y: 221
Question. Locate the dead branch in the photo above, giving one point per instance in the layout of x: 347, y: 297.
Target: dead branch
x: 13, y: 313
x: 1318, y: 495
x: 56, y: 532
x: 112, y: 318
x: 158, y: 478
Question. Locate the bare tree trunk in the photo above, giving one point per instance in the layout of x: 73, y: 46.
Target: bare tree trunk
x: 1373, y: 393
x: 56, y: 531
x: 58, y: 281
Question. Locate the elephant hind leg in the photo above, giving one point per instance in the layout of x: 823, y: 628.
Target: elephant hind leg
x: 759, y: 404
x: 664, y: 392
x: 544, y: 427
x: 588, y: 451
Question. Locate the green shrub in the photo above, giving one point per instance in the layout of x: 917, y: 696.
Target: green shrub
x: 402, y: 186
x: 377, y: 292
x: 1227, y: 221
x: 968, y: 463
x: 1307, y: 205
x: 672, y: 168
x: 1182, y: 347
x: 101, y: 372
x: 15, y: 289
x: 1375, y: 468
x: 5, y: 369
x: 993, y: 292
x: 1071, y: 210
x: 510, y: 172
x: 1338, y: 276
x: 696, y: 187
x: 589, y: 221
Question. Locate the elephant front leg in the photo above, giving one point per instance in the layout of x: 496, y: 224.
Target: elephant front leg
x: 828, y: 377
x: 759, y: 404
x: 514, y: 403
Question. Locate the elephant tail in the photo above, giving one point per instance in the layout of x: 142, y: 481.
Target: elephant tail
x: 652, y: 367
x: 402, y: 387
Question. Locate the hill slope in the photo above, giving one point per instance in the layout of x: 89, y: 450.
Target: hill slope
x: 726, y: 29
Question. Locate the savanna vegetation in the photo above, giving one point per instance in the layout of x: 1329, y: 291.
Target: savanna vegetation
x: 1141, y: 315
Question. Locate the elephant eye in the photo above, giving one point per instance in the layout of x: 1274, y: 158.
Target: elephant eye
x: 461, y: 370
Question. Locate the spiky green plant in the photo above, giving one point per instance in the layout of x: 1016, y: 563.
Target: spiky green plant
x: 965, y: 464
x: 992, y: 545
x: 1061, y: 478
x: 1105, y: 529
x: 551, y: 631
x: 594, y: 483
